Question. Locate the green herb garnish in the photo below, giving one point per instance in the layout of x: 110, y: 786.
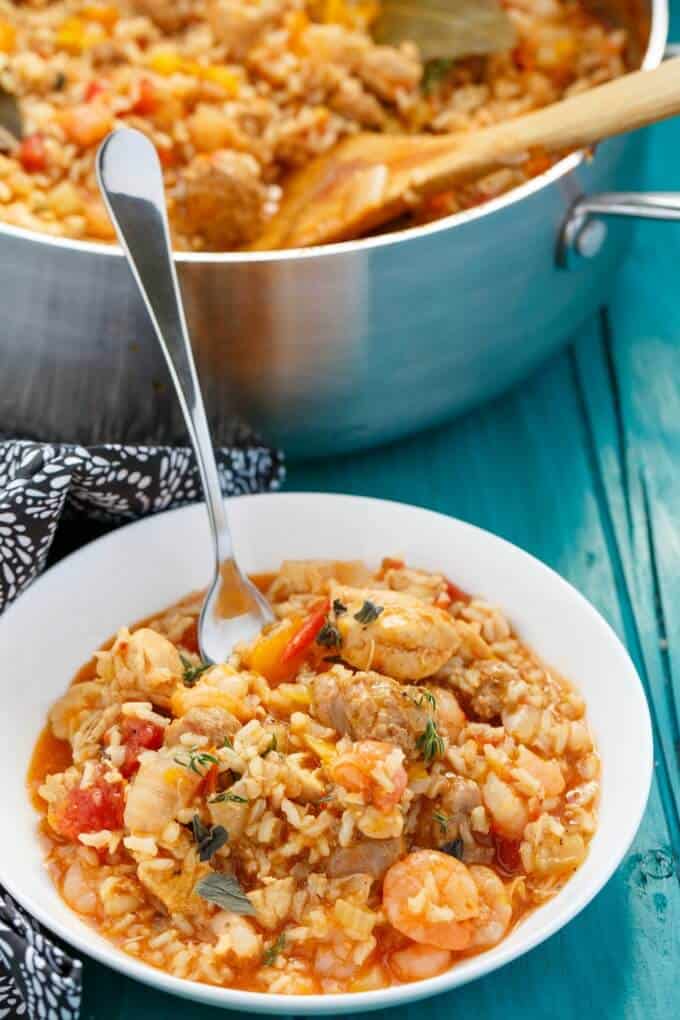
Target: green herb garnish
x: 227, y: 743
x: 329, y: 636
x: 454, y: 848
x: 429, y: 743
x: 427, y: 698
x: 208, y: 840
x: 368, y: 612
x: 196, y: 761
x: 190, y: 672
x: 441, y: 819
x: 227, y: 796
x: 225, y: 891
x: 275, y: 949
x: 434, y: 73
x: 339, y: 607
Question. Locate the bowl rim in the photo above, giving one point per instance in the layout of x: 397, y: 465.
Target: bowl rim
x: 656, y: 42
x: 273, y: 1003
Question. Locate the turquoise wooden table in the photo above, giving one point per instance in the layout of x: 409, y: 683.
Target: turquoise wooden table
x: 581, y: 466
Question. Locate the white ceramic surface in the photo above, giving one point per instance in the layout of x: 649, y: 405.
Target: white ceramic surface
x: 55, y: 626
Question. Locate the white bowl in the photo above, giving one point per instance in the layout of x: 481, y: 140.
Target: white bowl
x: 131, y: 573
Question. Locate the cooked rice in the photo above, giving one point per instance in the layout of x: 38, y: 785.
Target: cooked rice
x: 235, y: 93
x: 377, y: 827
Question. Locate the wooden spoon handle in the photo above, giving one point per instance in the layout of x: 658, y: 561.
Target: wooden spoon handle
x: 630, y: 102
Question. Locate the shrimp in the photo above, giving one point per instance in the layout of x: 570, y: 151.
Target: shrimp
x: 393, y: 633
x: 374, y: 769
x: 509, y: 812
x: 417, y: 962
x: 433, y: 899
x: 546, y: 771
x: 79, y: 890
x: 496, y: 908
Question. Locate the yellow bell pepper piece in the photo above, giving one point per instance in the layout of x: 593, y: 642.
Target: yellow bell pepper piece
x: 75, y: 36
x: 104, y: 14
x: 323, y: 749
x: 265, y: 655
x: 165, y: 62
x: 221, y: 76
x: 8, y: 37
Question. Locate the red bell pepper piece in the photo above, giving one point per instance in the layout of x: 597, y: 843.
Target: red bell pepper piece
x: 301, y: 641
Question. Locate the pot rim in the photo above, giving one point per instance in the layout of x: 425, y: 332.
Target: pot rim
x: 658, y: 37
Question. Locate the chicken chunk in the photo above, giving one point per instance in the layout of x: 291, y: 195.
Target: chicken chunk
x: 143, y: 665
x: 222, y: 199
x: 159, y: 790
x: 333, y: 44
x: 170, y: 15
x: 313, y: 577
x: 388, y: 71
x: 238, y: 25
x: 68, y: 714
x: 273, y: 902
x: 174, y: 887
x: 213, y: 723
x: 370, y: 857
x: 419, y: 583
x: 351, y: 100
x: 392, y: 632
x: 233, y: 811
x: 369, y: 706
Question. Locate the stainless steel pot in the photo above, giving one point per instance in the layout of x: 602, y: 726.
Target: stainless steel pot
x: 330, y: 349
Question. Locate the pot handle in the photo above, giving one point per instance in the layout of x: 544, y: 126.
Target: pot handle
x: 584, y: 231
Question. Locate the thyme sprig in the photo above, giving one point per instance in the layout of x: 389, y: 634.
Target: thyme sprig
x: 192, y: 673
x: 196, y: 761
x: 273, y: 951
x: 429, y: 743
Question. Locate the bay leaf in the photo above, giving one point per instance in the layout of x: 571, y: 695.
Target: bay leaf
x: 10, y: 116
x: 445, y: 29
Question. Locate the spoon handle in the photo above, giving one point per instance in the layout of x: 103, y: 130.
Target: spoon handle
x: 130, y: 178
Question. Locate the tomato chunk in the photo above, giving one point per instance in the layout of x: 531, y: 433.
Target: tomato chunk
x: 99, y: 806
x: 508, y: 856
x: 455, y: 593
x: 33, y: 154
x: 147, y: 99
x: 138, y: 735
x: 93, y: 90
x: 87, y: 123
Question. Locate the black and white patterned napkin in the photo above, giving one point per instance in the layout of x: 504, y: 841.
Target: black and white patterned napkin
x: 41, y: 485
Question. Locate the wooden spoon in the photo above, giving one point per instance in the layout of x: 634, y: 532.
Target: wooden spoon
x: 370, y: 178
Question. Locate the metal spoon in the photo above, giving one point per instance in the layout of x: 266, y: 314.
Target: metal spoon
x: 130, y: 178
